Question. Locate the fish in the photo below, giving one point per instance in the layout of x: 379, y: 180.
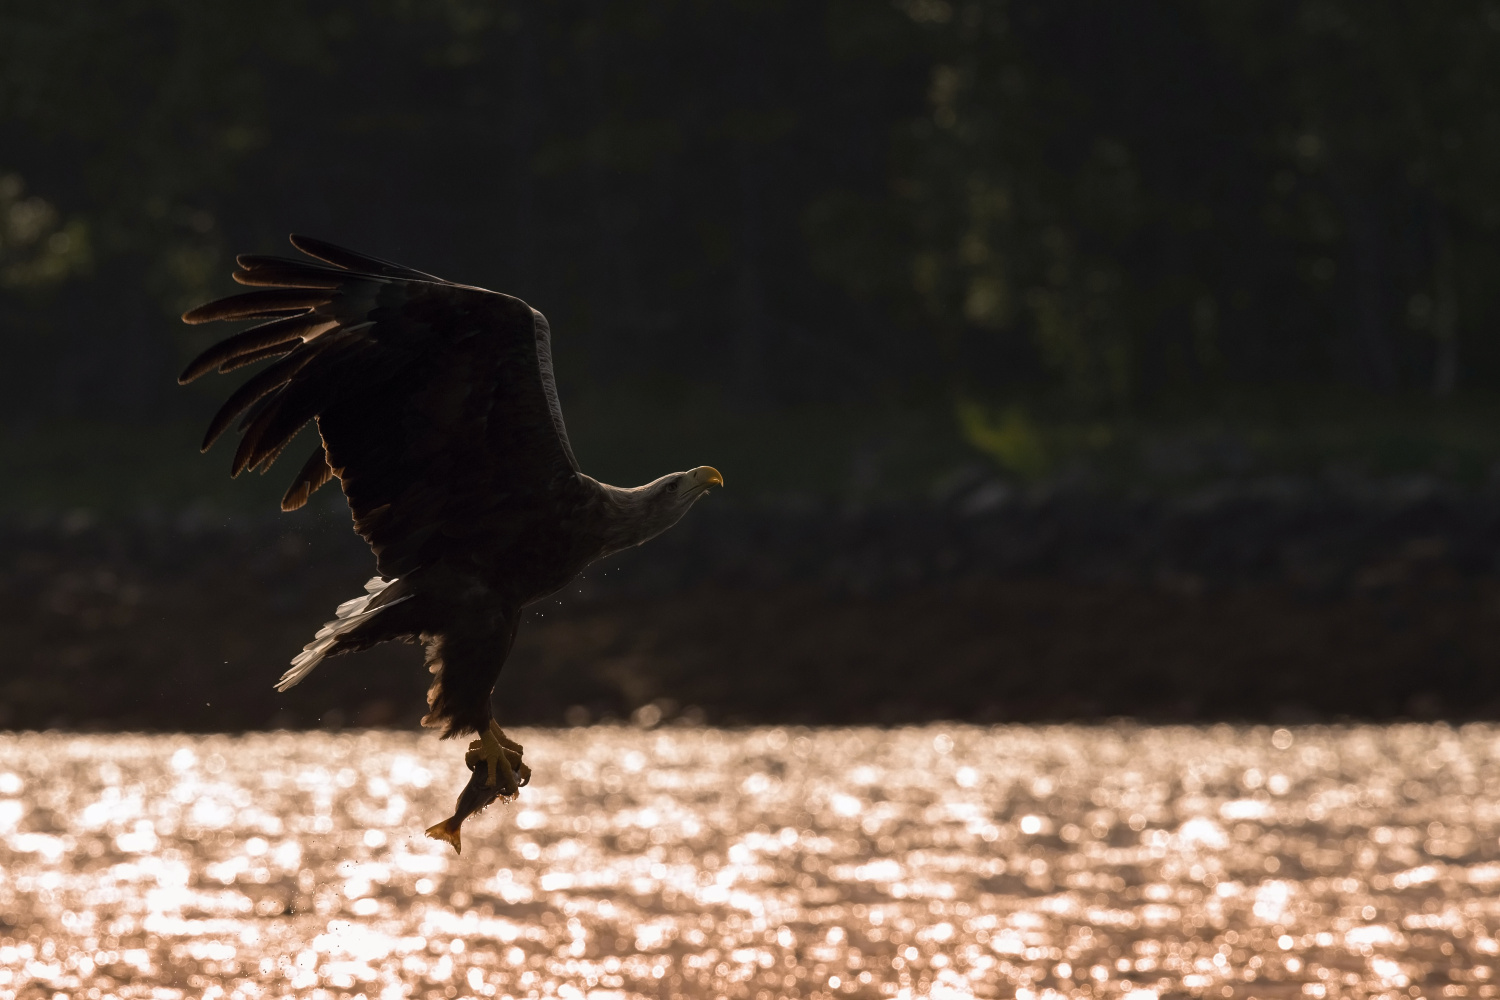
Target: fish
x: 479, y: 793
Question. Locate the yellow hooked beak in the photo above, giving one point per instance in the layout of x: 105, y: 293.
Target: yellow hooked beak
x: 706, y: 476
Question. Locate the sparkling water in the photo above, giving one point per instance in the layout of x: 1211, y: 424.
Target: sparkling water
x: 943, y: 861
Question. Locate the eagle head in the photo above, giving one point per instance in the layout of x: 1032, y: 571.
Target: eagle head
x: 669, y: 497
x: 681, y: 490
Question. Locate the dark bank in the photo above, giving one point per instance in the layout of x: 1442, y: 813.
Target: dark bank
x: 1280, y: 601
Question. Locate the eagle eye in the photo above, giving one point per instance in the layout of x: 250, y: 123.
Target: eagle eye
x: 672, y: 486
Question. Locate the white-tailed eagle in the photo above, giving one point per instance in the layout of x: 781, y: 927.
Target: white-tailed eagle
x: 438, y: 414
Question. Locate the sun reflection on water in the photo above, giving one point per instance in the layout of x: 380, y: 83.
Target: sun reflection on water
x: 942, y: 861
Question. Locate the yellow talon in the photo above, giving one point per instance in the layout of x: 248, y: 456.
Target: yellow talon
x: 494, y: 749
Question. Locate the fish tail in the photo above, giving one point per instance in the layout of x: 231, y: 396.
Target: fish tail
x: 447, y: 832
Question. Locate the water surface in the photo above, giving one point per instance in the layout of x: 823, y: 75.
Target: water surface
x: 939, y: 861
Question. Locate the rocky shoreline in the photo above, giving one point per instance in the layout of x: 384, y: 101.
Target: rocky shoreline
x: 1273, y: 601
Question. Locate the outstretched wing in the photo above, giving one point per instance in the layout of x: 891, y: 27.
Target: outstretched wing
x: 435, y: 402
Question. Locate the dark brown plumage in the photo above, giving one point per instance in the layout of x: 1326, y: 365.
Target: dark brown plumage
x: 437, y: 411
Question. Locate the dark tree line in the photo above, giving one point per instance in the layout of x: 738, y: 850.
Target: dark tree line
x: 1092, y: 206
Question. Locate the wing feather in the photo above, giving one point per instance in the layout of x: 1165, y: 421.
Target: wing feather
x: 290, y: 275
x: 314, y: 475
x: 435, y: 402
x: 257, y: 388
x: 256, y: 305
x: 303, y: 326
x: 262, y: 261
x: 320, y: 384
x: 340, y: 257
x: 241, y: 360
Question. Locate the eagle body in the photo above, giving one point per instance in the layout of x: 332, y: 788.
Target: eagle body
x: 437, y: 411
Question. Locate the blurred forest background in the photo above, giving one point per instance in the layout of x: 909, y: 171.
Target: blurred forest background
x: 856, y: 254
x: 1149, y: 239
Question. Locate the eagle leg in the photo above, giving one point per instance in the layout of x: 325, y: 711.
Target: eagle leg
x: 493, y: 749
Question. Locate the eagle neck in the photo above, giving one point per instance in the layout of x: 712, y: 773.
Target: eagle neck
x: 628, y: 518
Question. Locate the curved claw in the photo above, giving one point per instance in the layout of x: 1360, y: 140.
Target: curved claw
x: 495, y: 751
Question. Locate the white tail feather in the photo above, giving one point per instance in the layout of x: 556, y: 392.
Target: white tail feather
x: 350, y: 613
